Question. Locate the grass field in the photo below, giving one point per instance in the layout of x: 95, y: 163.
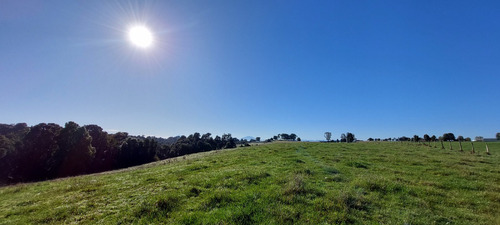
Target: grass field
x: 279, y: 183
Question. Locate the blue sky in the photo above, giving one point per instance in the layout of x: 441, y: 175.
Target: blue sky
x: 373, y: 68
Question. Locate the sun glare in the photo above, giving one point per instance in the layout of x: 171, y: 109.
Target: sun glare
x: 140, y: 36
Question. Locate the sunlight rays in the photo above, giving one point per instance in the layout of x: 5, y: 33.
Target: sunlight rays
x: 140, y: 36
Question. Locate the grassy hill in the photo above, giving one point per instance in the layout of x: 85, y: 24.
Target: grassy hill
x: 279, y: 183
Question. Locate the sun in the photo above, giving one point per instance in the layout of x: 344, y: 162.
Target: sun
x: 140, y: 36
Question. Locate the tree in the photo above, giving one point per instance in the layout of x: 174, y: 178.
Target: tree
x: 130, y: 153
x: 404, y: 138
x: 460, y: 138
x: 229, y: 141
x: 448, y: 137
x: 433, y: 138
x: 370, y: 139
x: 285, y: 136
x: 105, y: 153
x: 35, y: 160
x: 427, y: 138
x: 196, y: 136
x: 257, y: 139
x: 6, y: 146
x: 350, y: 137
x: 298, y: 139
x: 328, y: 136
x: 416, y: 138
x: 343, y: 138
x: 218, y: 142
x: 120, y: 137
x: 206, y: 136
x: 498, y: 136
x: 75, y: 150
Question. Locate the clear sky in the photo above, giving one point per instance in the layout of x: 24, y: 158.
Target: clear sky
x: 255, y: 68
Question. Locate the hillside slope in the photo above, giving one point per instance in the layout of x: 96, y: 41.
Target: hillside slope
x: 279, y: 183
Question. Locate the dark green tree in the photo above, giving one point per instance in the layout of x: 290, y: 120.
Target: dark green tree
x: 11, y: 141
x: 416, y: 138
x: 285, y: 136
x: 129, y: 153
x: 350, y: 137
x: 404, y: 138
x: 105, y: 152
x: 75, y: 152
x: 14, y: 132
x: 218, y: 142
x: 427, y: 138
x: 136, y: 151
x: 229, y: 141
x: 35, y: 160
x: 448, y: 137
x: 163, y: 152
x: 6, y: 146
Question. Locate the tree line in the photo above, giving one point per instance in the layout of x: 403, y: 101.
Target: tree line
x: 284, y: 137
x: 344, y: 137
x: 47, y: 150
x: 349, y: 137
x: 425, y: 138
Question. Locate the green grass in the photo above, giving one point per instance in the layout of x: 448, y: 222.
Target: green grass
x: 279, y: 183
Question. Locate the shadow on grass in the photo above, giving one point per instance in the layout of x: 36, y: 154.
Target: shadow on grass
x: 158, y: 209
